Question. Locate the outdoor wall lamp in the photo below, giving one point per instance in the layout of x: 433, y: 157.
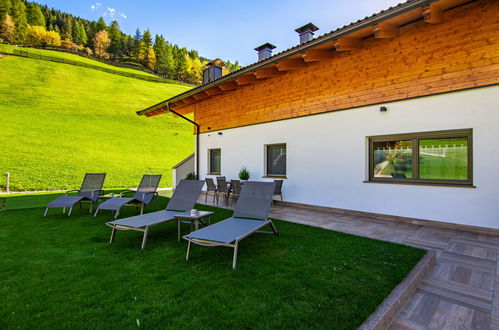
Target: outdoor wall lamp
x: 220, y: 133
x: 383, y: 109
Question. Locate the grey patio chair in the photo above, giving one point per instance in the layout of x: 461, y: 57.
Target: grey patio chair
x: 278, y: 188
x: 211, y: 187
x: 235, y: 190
x: 222, y: 189
x: 89, y: 192
x: 184, y: 198
x: 144, y: 195
x: 250, y: 215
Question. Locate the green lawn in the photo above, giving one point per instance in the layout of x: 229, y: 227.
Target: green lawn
x: 60, y: 121
x: 72, y: 57
x: 61, y: 272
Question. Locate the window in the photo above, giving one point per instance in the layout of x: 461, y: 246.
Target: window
x: 214, y: 161
x: 276, y: 160
x: 433, y: 157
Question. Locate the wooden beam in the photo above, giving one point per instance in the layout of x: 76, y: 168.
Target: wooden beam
x: 246, y: 80
x: 433, y: 14
x: 266, y: 72
x: 189, y: 100
x: 385, y: 30
x: 291, y: 64
x: 345, y: 44
x: 200, y: 96
x: 227, y: 86
x: 317, y: 55
x: 214, y: 91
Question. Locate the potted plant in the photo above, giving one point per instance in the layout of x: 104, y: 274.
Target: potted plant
x: 244, y: 174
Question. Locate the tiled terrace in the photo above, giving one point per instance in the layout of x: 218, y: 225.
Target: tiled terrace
x: 460, y: 292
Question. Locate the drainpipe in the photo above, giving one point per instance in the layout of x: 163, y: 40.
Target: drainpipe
x: 197, y: 136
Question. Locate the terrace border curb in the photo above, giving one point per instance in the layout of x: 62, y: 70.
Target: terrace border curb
x: 386, y: 311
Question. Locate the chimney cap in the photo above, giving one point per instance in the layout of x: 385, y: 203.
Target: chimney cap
x: 265, y: 46
x: 216, y: 62
x: 307, y: 28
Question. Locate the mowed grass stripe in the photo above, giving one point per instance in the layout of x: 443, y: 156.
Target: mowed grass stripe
x: 60, y: 121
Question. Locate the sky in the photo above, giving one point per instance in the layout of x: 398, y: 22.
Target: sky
x: 224, y: 29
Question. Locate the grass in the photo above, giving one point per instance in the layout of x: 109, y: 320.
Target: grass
x: 68, y: 56
x: 61, y: 121
x: 60, y: 272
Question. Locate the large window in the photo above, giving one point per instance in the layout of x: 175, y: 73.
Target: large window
x: 214, y: 161
x: 433, y: 157
x: 276, y: 160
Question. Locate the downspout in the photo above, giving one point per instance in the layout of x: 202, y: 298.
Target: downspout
x: 197, y: 136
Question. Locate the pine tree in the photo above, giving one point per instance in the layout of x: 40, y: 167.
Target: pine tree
x: 35, y: 15
x: 67, y: 28
x: 160, y: 51
x: 116, y: 47
x: 146, y: 38
x: 5, y: 8
x: 78, y: 34
x: 18, y: 12
x: 137, y: 39
x: 151, y: 58
x: 101, y: 25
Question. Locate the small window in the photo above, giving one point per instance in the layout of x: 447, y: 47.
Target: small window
x: 276, y: 160
x: 214, y: 161
x: 431, y: 157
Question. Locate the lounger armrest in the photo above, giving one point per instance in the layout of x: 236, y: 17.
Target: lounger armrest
x: 67, y: 192
x: 123, y: 193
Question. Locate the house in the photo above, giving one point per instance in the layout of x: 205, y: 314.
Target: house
x: 396, y: 114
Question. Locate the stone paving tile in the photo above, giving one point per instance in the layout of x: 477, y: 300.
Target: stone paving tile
x: 461, y: 291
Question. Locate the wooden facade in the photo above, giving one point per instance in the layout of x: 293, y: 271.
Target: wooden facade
x: 441, y: 51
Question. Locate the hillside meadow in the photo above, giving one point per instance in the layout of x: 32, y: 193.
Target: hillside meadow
x: 59, y: 121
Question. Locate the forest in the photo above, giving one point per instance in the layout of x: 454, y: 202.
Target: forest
x: 30, y: 24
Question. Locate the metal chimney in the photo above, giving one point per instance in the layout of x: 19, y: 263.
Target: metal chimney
x: 213, y: 70
x: 264, y: 51
x: 306, y: 32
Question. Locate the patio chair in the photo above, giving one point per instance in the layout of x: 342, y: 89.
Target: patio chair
x: 89, y: 192
x: 210, y: 187
x: 184, y: 198
x: 142, y: 197
x: 235, y: 190
x: 278, y: 188
x: 250, y: 215
x: 222, y: 188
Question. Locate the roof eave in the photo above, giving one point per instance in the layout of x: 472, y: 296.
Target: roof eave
x: 341, y: 32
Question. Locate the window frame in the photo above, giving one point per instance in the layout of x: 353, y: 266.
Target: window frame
x: 210, y: 171
x: 266, y: 163
x: 415, y: 138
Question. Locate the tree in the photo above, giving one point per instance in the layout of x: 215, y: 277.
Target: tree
x: 79, y: 35
x: 101, y: 42
x: 35, y: 16
x: 115, y: 36
x: 7, y: 29
x: 151, y: 58
x: 67, y: 27
x: 5, y: 8
x: 101, y: 25
x: 52, y: 38
x: 146, y: 39
x: 137, y: 39
x: 35, y: 35
x: 19, y: 17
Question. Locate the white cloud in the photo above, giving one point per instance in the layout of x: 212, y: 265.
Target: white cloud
x: 96, y: 5
x: 113, y: 13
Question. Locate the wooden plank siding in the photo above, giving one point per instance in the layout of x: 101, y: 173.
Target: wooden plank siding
x: 462, y: 52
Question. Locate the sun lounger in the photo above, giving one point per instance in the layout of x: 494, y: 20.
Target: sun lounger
x: 142, y: 197
x: 250, y: 215
x: 90, y: 190
x: 183, y: 200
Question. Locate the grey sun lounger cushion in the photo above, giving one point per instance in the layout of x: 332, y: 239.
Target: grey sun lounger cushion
x: 251, y: 214
x: 89, y: 191
x: 184, y: 198
x: 227, y: 231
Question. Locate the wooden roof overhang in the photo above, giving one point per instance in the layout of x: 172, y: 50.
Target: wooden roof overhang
x: 385, y: 24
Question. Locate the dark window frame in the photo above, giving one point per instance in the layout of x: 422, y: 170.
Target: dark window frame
x: 210, y: 170
x: 415, y: 138
x: 272, y: 175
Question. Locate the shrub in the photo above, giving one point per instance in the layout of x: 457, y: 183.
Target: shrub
x: 190, y: 176
x: 244, y: 174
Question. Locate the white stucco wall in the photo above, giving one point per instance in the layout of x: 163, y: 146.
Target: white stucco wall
x: 180, y: 171
x: 327, y: 157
